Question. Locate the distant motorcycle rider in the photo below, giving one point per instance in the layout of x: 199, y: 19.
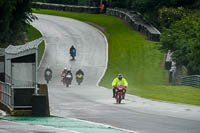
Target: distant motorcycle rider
x: 116, y: 81
x: 79, y: 76
x: 80, y: 72
x: 48, y: 74
x: 69, y: 73
x: 63, y: 73
x: 72, y: 52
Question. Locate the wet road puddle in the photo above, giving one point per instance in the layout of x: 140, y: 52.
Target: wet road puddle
x: 66, y: 123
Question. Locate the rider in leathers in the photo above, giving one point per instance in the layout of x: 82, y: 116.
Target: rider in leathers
x: 69, y: 73
x: 46, y: 76
x: 79, y: 72
x: 117, y: 80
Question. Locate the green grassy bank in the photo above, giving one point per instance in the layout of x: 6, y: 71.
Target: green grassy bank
x: 33, y: 34
x: 139, y: 60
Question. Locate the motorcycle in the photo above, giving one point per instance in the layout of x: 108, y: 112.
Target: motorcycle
x: 73, y: 54
x: 119, y: 93
x: 67, y: 79
x: 79, y: 78
x: 48, y: 76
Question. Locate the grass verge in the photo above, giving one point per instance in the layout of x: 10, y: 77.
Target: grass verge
x: 138, y: 59
x: 33, y: 34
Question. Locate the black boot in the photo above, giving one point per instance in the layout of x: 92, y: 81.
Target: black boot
x: 113, y: 93
x: 123, y: 96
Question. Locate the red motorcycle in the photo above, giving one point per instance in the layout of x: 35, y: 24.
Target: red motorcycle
x: 119, y: 93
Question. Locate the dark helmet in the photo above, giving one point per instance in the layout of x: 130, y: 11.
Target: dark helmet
x: 48, y: 67
x: 120, y: 76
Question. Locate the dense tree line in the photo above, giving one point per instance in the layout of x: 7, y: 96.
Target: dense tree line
x: 182, y: 37
x: 180, y: 28
x: 14, y: 16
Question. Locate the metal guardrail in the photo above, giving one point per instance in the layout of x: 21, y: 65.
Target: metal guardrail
x: 68, y: 8
x: 6, y: 94
x: 193, y: 80
x: 137, y: 21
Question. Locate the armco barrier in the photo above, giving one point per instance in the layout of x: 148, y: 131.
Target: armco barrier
x: 137, y: 21
x: 193, y: 80
x: 70, y: 8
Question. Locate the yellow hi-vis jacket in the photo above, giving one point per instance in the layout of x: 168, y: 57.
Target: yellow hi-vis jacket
x: 116, y: 81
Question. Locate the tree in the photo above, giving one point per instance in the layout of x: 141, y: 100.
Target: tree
x: 15, y: 14
x: 183, y: 39
x: 150, y: 8
x: 167, y: 16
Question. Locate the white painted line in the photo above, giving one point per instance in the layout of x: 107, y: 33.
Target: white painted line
x: 106, y: 43
x: 104, y: 125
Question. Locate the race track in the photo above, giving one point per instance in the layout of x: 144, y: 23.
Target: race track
x: 92, y: 103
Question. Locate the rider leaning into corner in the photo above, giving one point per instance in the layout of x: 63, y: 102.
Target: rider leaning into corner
x: 117, y: 80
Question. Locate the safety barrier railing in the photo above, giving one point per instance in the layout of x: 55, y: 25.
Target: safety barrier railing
x: 193, y: 80
x: 6, y: 94
x: 68, y: 8
x: 137, y: 21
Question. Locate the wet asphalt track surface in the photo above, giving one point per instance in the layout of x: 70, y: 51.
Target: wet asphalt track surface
x: 92, y: 103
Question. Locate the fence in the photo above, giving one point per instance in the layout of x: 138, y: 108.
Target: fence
x: 6, y: 94
x: 193, y: 80
x: 137, y: 21
x: 69, y: 8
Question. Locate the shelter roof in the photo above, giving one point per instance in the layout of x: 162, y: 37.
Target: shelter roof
x: 22, y: 50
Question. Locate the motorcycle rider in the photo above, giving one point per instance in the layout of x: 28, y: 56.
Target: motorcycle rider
x: 48, y: 73
x: 63, y: 73
x: 72, y: 52
x: 117, y: 80
x: 79, y: 72
x: 69, y: 73
x: 79, y: 76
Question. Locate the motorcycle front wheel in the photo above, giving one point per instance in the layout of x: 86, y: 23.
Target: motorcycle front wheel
x: 119, y: 99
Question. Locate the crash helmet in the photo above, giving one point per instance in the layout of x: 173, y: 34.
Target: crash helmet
x: 120, y: 76
x: 48, y: 67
